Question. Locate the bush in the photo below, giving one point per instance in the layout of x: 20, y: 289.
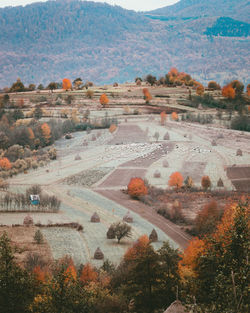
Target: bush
x: 137, y: 188
x: 38, y: 237
x: 28, y: 221
x: 241, y: 123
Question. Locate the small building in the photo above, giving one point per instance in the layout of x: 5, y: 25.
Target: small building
x: 34, y: 199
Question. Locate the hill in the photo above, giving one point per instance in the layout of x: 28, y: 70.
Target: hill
x: 238, y: 10
x: 48, y: 41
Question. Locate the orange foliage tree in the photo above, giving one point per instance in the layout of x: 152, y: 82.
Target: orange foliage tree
x: 46, y: 132
x: 163, y: 118
x: 138, y: 248
x: 205, y: 182
x: 200, y: 90
x: 176, y: 180
x: 31, y: 133
x: 39, y: 274
x: 174, y: 116
x: 104, y: 100
x: 228, y: 92
x: 147, y: 95
x: 66, y: 84
x: 137, y: 188
x: 88, y: 274
x: 248, y: 90
x: 112, y: 128
x: 70, y: 273
x: 5, y: 164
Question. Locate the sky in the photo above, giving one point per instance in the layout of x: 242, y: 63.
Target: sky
x: 137, y: 5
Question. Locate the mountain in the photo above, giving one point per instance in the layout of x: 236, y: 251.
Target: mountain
x: 238, y: 10
x: 48, y: 41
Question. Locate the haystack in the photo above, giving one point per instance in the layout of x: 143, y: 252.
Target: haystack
x: 157, y: 174
x: 95, y: 218
x: 128, y: 218
x: 176, y: 307
x: 220, y: 183
x: 153, y: 237
x: 214, y: 143
x: 166, y: 136
x: 98, y: 254
x: 239, y: 152
x: 111, y: 233
x: 28, y: 220
x: 78, y: 157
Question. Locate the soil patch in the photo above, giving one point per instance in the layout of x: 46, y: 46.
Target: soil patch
x: 121, y: 177
x: 126, y: 134
x: 240, y: 177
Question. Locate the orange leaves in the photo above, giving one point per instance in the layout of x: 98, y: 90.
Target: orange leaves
x: 248, y: 92
x: 70, y: 273
x: 200, y: 90
x: 104, y: 100
x: 173, y: 72
x: 176, y: 180
x: 112, y: 128
x: 174, y: 116
x: 205, y: 182
x: 138, y: 249
x: 228, y: 92
x: 39, y: 274
x: 31, y: 133
x: 163, y: 118
x: 136, y: 187
x: 88, y: 274
x: 188, y: 262
x: 5, y: 164
x: 46, y: 132
x: 66, y: 84
x: 147, y: 95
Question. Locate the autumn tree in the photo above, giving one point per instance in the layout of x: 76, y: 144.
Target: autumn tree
x: 228, y: 92
x: 147, y: 95
x: 66, y: 84
x: 200, y: 90
x: 238, y: 87
x: 46, y: 132
x: 150, y: 79
x: 77, y: 83
x: 213, y: 85
x: 5, y: 164
x: 104, y: 100
x: 163, y: 118
x: 176, y: 180
x: 88, y: 274
x: 18, y: 86
x: 248, y: 90
x: 137, y: 188
x: 206, y: 182
x: 174, y: 116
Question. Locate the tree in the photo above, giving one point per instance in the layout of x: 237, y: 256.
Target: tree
x: 174, y: 116
x: 200, y: 90
x: 38, y: 113
x: 38, y: 237
x: 238, y: 87
x: 40, y: 87
x: 151, y: 79
x: 5, y: 164
x: 228, y: 92
x: 18, y: 86
x: 206, y: 182
x: 46, y: 132
x: 248, y: 90
x: 163, y: 118
x: 32, y: 87
x: 52, y: 86
x: 104, y: 100
x: 66, y: 84
x: 137, y: 188
x: 17, y: 287
x: 88, y: 274
x: 120, y: 230
x: 175, y: 180
x: 147, y: 95
x: 77, y: 83
x: 189, y: 182
x: 213, y: 85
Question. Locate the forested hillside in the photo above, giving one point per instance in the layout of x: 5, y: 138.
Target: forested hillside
x: 48, y: 41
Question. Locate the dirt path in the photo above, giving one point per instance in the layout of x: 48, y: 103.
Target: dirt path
x: 148, y: 213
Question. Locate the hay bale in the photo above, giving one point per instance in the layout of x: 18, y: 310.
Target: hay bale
x: 128, y: 218
x: 111, y: 232
x: 95, y: 218
x: 78, y: 157
x: 239, y: 152
x: 176, y: 307
x: 165, y: 163
x: 220, y: 183
x: 157, y: 174
x: 166, y: 136
x: 214, y: 143
x: 28, y: 221
x: 115, y: 85
x: 85, y: 143
x: 153, y: 237
x: 68, y: 136
x: 93, y: 138
x: 98, y: 254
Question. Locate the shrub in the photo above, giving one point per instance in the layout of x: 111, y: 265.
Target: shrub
x: 137, y: 188
x: 28, y: 221
x: 38, y: 237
